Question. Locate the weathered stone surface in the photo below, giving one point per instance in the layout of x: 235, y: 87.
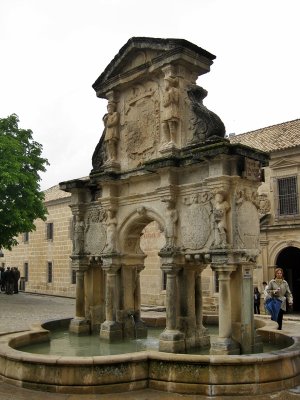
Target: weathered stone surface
x: 163, y: 158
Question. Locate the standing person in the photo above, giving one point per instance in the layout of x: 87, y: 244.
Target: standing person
x: 279, y: 290
x: 256, y: 297
x: 17, y: 275
x: 9, y: 281
x: 1, y: 279
x: 266, y: 296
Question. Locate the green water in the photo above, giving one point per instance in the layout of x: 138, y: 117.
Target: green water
x: 63, y: 343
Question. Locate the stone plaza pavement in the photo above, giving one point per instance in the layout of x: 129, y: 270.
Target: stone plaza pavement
x: 19, y: 311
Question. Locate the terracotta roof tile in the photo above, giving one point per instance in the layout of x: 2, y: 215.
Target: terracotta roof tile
x: 272, y: 138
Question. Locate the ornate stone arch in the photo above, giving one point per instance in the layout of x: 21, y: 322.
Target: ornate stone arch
x: 132, y: 226
x: 279, y: 246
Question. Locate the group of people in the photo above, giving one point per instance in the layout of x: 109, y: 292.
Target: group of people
x: 277, y: 295
x: 9, y: 280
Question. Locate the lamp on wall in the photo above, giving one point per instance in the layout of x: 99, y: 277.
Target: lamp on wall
x: 1, y: 253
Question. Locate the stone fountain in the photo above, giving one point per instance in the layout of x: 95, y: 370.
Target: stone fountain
x: 163, y: 157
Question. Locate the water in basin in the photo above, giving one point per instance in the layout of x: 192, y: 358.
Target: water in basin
x: 67, y: 344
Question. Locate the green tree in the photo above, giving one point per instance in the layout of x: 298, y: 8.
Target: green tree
x: 21, y: 200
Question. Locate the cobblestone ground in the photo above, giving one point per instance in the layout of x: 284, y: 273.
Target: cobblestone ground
x: 20, y: 311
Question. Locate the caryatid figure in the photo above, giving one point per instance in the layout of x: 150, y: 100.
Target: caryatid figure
x: 111, y: 231
x: 171, y: 220
x: 78, y: 242
x: 170, y: 117
x: 221, y: 207
x: 111, y: 138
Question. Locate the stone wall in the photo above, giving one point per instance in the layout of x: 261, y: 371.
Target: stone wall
x: 38, y: 251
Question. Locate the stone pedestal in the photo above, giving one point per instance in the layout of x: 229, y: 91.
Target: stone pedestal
x: 172, y: 341
x: 111, y: 331
x: 221, y: 346
x: 80, y: 326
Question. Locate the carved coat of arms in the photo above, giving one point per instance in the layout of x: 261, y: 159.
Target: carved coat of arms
x: 141, y: 122
x: 196, y: 221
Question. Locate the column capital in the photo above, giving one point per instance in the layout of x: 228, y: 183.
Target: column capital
x: 226, y: 268
x: 171, y: 269
x: 111, y: 269
x: 111, y: 263
x: 80, y: 263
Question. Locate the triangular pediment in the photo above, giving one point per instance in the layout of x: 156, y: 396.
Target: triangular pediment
x: 285, y: 163
x: 141, y: 53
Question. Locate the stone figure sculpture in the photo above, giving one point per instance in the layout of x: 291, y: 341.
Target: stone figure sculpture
x: 111, y: 231
x: 106, y: 149
x: 205, y: 124
x: 220, y: 209
x: 111, y: 122
x: 171, y: 110
x: 78, y: 242
x: 170, y: 227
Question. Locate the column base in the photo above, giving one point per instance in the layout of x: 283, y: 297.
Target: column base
x: 202, y: 337
x: 80, y: 326
x: 111, y: 331
x: 134, y: 329
x: 141, y: 329
x: 172, y: 341
x: 224, y: 346
x: 197, y: 339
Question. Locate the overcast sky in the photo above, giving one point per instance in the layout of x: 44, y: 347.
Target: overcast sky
x: 52, y: 51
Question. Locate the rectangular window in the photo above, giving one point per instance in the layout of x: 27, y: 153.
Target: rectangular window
x: 49, y: 232
x: 49, y: 272
x: 26, y: 272
x: 26, y: 237
x: 287, y: 196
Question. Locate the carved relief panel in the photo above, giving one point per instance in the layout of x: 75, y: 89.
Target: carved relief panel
x: 95, y: 231
x: 247, y: 217
x: 140, y: 124
x: 196, y: 221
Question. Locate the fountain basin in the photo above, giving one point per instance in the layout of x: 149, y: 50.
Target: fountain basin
x: 180, y: 373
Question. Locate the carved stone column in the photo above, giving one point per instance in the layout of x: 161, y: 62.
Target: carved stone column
x: 171, y: 340
x: 140, y: 326
x: 249, y: 340
x: 110, y: 328
x: 224, y: 344
x: 80, y: 295
x: 202, y: 338
x: 79, y: 324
